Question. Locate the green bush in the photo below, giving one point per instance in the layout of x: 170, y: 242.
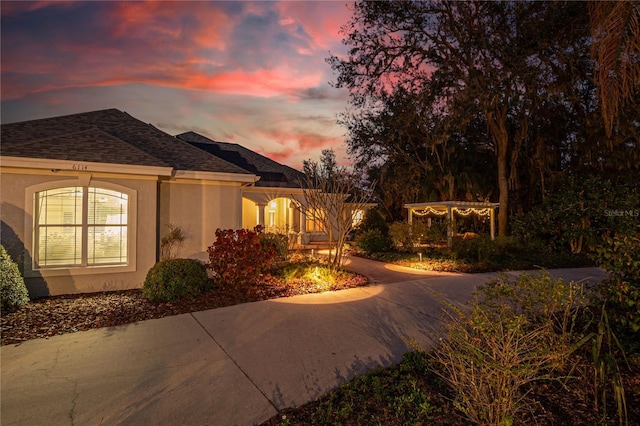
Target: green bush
x: 620, y: 256
x: 577, y: 214
x: 174, y: 279
x: 477, y: 249
x: 373, y: 220
x: 408, y: 237
x: 14, y: 292
x: 373, y: 241
x: 279, y: 243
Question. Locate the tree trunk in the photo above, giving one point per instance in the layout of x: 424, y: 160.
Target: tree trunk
x: 497, y: 120
x: 503, y: 186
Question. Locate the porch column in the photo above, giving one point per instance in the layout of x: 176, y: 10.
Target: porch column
x: 261, y: 208
x: 303, y: 236
x: 410, y: 216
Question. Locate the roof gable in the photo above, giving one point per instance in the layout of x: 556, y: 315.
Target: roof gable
x: 272, y: 173
x: 106, y: 136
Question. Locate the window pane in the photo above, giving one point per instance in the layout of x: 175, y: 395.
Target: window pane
x: 107, y: 245
x: 59, y: 245
x: 107, y: 207
x: 62, y: 206
x: 61, y: 227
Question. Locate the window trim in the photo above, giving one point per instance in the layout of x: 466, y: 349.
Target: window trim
x: 30, y: 267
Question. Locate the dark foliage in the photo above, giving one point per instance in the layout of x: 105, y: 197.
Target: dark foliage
x: 174, y: 279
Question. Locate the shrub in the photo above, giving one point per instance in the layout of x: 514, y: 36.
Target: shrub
x: 477, y: 249
x: 279, y: 242
x: 407, y: 237
x: 373, y: 241
x: 172, y: 241
x: 514, y: 334
x: 620, y: 256
x: 174, y: 279
x: 14, y: 292
x: 238, y: 258
x: 578, y: 213
x: 373, y: 220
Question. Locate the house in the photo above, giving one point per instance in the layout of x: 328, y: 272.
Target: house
x: 271, y: 201
x: 87, y: 197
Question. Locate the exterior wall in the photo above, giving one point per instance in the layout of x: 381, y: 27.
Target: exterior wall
x: 17, y: 232
x: 249, y: 214
x: 199, y: 207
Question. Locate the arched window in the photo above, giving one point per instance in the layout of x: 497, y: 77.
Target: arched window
x: 78, y: 226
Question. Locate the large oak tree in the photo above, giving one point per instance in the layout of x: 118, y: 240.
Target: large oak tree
x: 500, y: 62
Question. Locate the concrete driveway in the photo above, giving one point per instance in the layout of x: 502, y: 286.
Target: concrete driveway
x: 235, y: 365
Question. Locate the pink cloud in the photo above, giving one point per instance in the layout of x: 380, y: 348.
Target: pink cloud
x: 207, y: 25
x: 262, y: 83
x: 281, y: 156
x: 300, y: 139
x: 165, y: 44
x: 321, y: 20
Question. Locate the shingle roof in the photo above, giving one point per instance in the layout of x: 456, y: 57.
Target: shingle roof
x: 272, y: 173
x: 106, y: 136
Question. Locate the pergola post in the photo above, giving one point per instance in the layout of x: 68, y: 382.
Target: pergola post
x: 449, y: 227
x: 492, y: 220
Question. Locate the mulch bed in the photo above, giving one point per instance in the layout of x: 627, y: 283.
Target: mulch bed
x: 50, y: 316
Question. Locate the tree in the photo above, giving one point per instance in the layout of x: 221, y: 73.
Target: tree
x: 332, y: 195
x: 495, y: 61
x: 416, y: 154
x: 615, y: 32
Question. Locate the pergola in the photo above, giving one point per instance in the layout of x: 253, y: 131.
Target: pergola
x: 452, y: 208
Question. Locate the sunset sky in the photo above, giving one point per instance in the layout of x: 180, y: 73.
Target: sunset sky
x: 253, y: 73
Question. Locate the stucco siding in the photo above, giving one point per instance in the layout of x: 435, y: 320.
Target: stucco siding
x: 199, y: 208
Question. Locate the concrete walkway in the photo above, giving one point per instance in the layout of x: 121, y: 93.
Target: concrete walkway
x: 235, y: 365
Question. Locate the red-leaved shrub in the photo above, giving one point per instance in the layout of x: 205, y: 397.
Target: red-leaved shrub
x: 238, y: 259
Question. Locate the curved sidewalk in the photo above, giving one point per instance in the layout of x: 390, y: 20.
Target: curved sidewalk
x: 234, y: 365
